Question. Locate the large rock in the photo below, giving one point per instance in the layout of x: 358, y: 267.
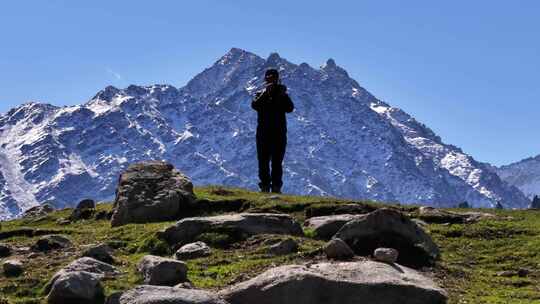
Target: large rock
x: 79, y: 282
x: 247, y: 224
x: 326, y: 226
x: 337, y: 283
x: 150, y: 192
x: 193, y: 251
x: 77, y: 287
x: 146, y: 294
x: 392, y: 229
x: 90, y: 265
x: 162, y: 271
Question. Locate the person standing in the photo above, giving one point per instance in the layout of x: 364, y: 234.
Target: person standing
x: 271, y: 105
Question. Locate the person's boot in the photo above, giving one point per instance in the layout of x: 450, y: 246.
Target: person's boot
x: 276, y: 190
x: 264, y: 188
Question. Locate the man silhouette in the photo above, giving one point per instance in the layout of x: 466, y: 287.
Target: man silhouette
x: 271, y: 105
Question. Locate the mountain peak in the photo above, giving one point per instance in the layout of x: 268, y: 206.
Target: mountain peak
x: 331, y: 68
x: 235, y: 55
x: 107, y: 93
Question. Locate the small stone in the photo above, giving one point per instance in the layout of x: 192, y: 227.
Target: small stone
x: 5, y: 251
x: 193, y: 251
x: 86, y: 204
x: 185, y: 285
x: 12, y: 268
x: 102, y: 215
x: 386, y: 255
x: 162, y: 271
x: 337, y: 249
x: 284, y: 247
x: 32, y: 255
x: 62, y: 221
x: 506, y: 273
x: 523, y: 272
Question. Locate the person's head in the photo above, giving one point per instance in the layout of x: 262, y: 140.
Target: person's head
x: 271, y: 76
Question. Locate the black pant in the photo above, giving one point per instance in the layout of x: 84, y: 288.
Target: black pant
x: 271, y: 148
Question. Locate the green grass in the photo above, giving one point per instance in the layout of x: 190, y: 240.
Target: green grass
x: 472, y: 254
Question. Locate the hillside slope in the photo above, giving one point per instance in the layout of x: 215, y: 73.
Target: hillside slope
x: 480, y: 261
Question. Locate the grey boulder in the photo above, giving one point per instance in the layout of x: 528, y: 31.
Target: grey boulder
x: 89, y: 265
x: 337, y: 283
x: 193, y: 251
x: 78, y: 287
x: 151, y: 191
x: 390, y: 228
x: 326, y: 226
x: 248, y: 224
x: 146, y: 294
x: 162, y: 271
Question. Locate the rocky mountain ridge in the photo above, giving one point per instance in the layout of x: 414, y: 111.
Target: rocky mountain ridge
x: 524, y: 175
x: 342, y: 141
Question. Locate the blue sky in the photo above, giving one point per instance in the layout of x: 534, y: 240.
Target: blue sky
x: 467, y: 69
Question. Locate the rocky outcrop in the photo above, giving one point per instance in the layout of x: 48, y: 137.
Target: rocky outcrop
x: 392, y: 229
x: 149, y: 192
x: 162, y: 271
x: 325, y: 227
x: 146, y: 294
x: 336, y: 283
x: 247, y: 224
x: 193, y: 251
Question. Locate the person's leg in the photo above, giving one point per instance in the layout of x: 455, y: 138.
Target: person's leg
x: 263, y: 156
x: 278, y: 153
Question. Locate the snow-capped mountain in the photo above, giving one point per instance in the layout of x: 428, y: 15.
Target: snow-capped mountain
x: 342, y: 141
x: 524, y: 174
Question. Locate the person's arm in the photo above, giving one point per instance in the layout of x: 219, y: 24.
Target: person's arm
x: 288, y: 105
x: 257, y: 102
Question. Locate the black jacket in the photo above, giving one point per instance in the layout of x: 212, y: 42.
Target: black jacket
x: 271, y: 106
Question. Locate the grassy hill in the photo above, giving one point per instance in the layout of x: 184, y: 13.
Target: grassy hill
x: 473, y: 255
